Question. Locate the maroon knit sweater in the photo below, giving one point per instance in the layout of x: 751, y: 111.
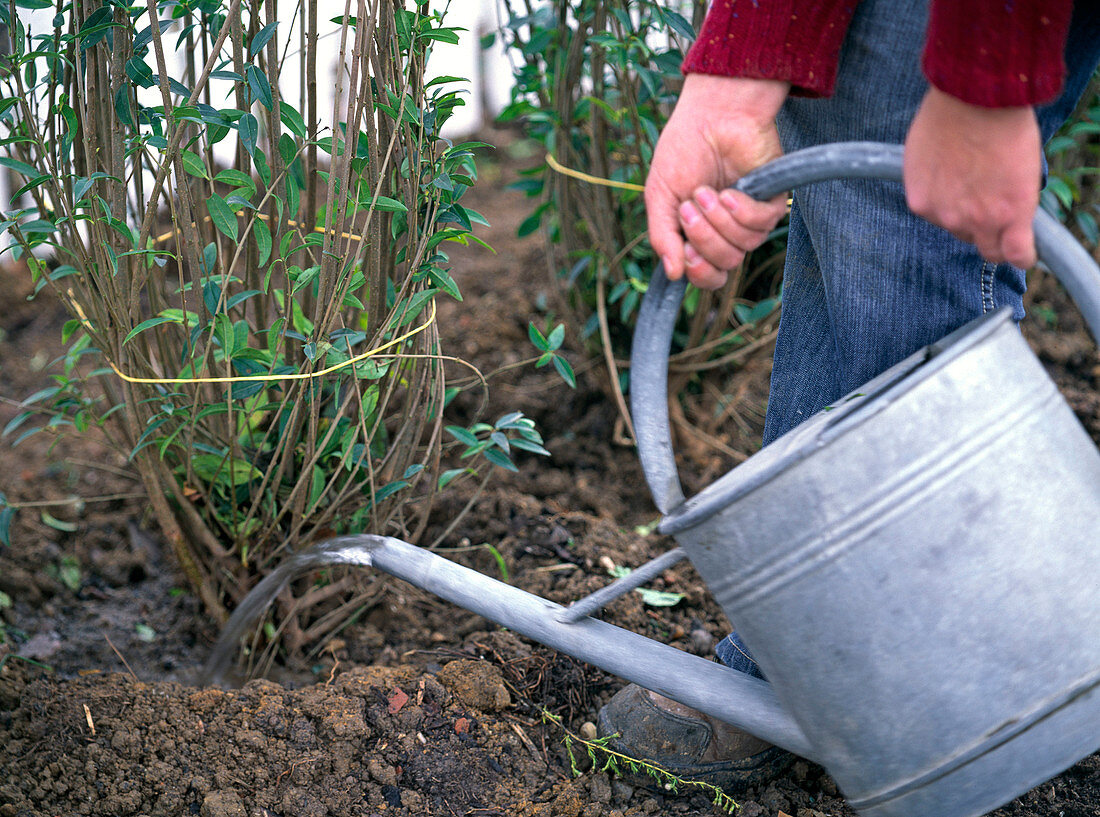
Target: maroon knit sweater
x: 994, y: 53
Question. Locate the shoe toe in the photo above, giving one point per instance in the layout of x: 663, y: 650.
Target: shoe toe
x: 682, y: 743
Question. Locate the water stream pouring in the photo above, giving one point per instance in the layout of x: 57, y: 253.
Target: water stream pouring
x: 915, y: 571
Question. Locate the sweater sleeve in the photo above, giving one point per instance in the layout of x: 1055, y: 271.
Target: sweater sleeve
x: 794, y: 40
x: 997, y: 53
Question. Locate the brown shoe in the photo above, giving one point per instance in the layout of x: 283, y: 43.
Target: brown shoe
x: 687, y: 742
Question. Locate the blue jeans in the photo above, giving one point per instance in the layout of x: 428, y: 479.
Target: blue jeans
x: 866, y: 282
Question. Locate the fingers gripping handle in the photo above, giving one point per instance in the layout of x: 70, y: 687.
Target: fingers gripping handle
x: 1057, y: 249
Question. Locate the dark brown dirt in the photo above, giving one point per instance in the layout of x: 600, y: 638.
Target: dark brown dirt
x: 419, y: 707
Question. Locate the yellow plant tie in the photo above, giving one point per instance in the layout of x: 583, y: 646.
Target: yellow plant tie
x: 160, y: 239
x: 264, y: 377
x: 585, y: 177
x: 576, y: 174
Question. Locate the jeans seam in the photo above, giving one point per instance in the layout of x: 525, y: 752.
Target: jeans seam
x: 988, y: 272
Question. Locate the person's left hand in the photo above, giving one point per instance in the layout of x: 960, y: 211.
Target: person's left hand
x: 976, y: 172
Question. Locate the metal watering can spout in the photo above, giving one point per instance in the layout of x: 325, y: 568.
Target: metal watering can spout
x: 731, y: 696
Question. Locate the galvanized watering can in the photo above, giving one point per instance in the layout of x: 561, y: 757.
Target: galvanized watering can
x: 917, y: 571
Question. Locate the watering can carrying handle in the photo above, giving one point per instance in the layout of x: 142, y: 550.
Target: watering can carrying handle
x: 1058, y: 250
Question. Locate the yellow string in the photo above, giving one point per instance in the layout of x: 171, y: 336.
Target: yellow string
x: 585, y: 177
x: 160, y: 239
x: 576, y: 174
x: 255, y: 377
x: 264, y: 377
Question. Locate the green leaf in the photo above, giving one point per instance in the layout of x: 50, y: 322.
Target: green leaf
x: 529, y: 224
x: 499, y: 458
x: 618, y: 571
x: 57, y: 524
x: 145, y: 632
x: 261, y: 89
x: 509, y: 420
x: 501, y: 439
x: 293, y: 120
x: 235, y: 178
x: 94, y: 28
x: 1087, y: 224
x: 463, y: 435
x: 122, y: 106
x: 7, y: 513
x: 390, y: 489
x: 757, y: 311
x: 149, y: 324
x: 33, y: 183
x: 262, y: 37
x: 225, y: 334
x: 81, y: 186
x: 443, y: 280
x: 678, y: 23
x: 248, y: 129
x: 448, y: 476
x: 72, y: 128
x: 527, y: 445
x: 658, y: 598
x: 68, y: 571
x: 19, y: 167
x: 414, y: 306
x: 316, y: 487
x: 241, y: 297
x: 262, y: 235
x: 556, y: 337
x: 223, y: 217
x: 564, y: 369
x: 1059, y: 187
x: 537, y: 338
x: 216, y: 469
x: 69, y: 329
x: 444, y: 35
x: 1059, y: 144
x: 385, y: 204
x: 193, y: 164
x: 139, y: 72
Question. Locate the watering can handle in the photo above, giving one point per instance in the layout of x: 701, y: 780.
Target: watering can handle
x: 1058, y: 250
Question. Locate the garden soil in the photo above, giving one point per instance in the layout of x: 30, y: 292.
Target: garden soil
x: 417, y: 707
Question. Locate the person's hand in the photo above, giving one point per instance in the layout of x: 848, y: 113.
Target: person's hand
x: 976, y: 172
x: 722, y: 128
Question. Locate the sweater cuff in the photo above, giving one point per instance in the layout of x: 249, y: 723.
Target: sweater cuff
x: 999, y: 55
x: 780, y: 39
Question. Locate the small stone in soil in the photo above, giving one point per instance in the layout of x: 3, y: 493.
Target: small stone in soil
x: 702, y: 641
x: 392, y: 795
x: 622, y: 790
x: 222, y: 804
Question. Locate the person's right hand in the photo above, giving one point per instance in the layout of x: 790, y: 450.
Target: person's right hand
x: 722, y: 128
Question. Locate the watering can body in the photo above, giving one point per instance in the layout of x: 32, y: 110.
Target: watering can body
x: 915, y: 569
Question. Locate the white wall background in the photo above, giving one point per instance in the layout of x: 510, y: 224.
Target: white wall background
x: 488, y: 70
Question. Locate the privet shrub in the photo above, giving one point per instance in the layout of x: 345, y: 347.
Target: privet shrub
x: 257, y: 331
x: 594, y: 83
